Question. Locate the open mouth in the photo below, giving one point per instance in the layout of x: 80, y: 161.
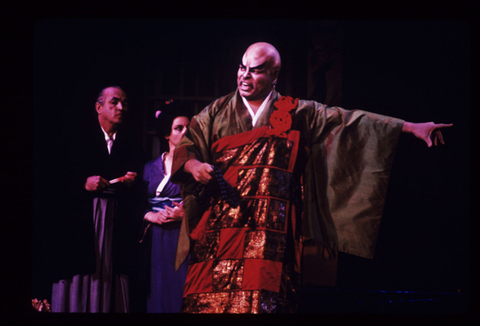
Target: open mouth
x: 244, y: 86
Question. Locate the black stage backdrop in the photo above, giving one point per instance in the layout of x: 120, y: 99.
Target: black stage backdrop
x: 418, y: 70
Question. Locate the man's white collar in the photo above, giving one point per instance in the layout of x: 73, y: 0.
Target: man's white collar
x: 255, y: 116
x: 107, y: 137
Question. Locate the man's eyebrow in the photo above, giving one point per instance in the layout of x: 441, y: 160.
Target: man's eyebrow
x: 261, y: 66
x: 118, y: 99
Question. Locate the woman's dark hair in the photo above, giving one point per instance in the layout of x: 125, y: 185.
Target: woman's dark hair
x: 169, y: 110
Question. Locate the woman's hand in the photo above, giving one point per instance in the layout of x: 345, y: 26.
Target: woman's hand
x: 174, y: 213
x: 156, y: 217
x: 169, y: 214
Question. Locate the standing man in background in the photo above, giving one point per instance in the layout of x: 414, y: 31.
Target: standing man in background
x: 96, y: 252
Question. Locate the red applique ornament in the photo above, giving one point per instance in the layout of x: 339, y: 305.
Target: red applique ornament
x: 281, y: 119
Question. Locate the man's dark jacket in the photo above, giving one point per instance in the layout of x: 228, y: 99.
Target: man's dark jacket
x: 73, y: 253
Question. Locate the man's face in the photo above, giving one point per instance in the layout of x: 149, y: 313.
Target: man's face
x: 115, y: 106
x: 255, y: 76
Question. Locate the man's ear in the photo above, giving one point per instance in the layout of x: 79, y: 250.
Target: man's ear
x: 98, y: 107
x: 275, y: 74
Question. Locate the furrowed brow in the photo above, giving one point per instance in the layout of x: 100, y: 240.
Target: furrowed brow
x: 261, y: 66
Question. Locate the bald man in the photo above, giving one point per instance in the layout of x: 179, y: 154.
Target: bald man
x: 306, y: 176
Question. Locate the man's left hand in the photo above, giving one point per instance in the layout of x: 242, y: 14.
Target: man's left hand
x: 428, y: 132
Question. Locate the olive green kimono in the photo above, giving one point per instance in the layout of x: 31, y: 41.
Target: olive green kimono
x: 344, y: 163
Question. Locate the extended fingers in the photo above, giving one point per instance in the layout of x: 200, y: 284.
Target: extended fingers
x: 438, y: 137
x: 436, y: 134
x: 443, y: 125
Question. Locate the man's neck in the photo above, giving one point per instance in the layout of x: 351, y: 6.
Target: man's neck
x: 109, y: 128
x: 256, y: 111
x: 255, y: 105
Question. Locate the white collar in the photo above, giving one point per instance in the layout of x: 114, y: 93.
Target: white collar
x: 255, y: 116
x: 165, y: 179
x: 107, y: 137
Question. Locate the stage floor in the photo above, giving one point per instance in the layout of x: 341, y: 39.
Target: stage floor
x: 334, y: 300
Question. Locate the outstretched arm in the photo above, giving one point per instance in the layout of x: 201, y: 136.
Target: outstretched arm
x: 427, y: 131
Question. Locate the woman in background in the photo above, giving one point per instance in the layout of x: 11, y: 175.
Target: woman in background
x: 162, y: 219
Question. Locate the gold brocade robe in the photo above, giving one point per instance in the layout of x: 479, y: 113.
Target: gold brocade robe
x: 345, y: 172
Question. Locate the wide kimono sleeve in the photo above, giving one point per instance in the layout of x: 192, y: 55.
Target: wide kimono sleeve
x: 194, y: 145
x: 346, y: 180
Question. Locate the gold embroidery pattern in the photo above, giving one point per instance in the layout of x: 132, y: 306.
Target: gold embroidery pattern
x: 260, y: 181
x: 243, y: 265
x: 267, y: 213
x: 277, y: 215
x: 206, y: 249
x: 266, y: 151
x: 237, y: 302
x: 265, y: 245
x: 227, y: 275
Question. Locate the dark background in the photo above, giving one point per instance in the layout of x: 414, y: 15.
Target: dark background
x: 417, y: 70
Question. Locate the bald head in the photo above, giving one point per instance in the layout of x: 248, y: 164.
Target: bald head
x: 258, y: 72
x: 266, y: 52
